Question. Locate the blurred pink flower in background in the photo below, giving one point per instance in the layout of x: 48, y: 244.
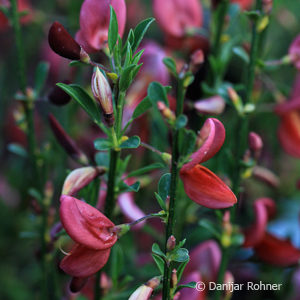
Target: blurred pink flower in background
x: 294, y: 52
x: 94, y: 23
x: 176, y: 17
x: 244, y: 4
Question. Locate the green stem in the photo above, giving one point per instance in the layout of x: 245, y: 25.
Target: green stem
x: 222, y: 270
x: 241, y: 143
x: 28, y: 104
x: 220, y: 21
x: 173, y: 191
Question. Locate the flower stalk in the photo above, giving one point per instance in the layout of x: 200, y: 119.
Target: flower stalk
x: 173, y: 190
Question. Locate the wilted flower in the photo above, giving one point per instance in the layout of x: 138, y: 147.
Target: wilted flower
x: 102, y: 93
x: 200, y: 184
x: 94, y: 22
x: 66, y: 142
x: 93, y: 235
x: 62, y: 43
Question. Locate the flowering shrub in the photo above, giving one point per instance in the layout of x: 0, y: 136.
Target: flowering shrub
x: 150, y: 149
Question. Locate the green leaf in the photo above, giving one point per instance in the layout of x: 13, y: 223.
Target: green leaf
x: 171, y: 65
x: 159, y: 262
x: 156, y: 250
x: 76, y: 63
x: 180, y: 255
x: 102, y: 144
x: 160, y: 201
x: 17, y: 149
x: 126, y: 77
x: 157, y: 92
x: 237, y: 239
x: 137, y: 57
x: 117, y: 263
x: 142, y: 107
x: 128, y: 56
x: 132, y: 143
x: 164, y: 186
x: 146, y: 169
x: 83, y: 99
x: 181, y: 269
x: 102, y: 159
x: 112, y: 30
x: 35, y: 194
x: 181, y: 121
x: 187, y: 141
x: 129, y: 188
x: 139, y: 32
x: 123, y: 163
x: 241, y: 53
x: 191, y: 285
x: 130, y: 40
x: 41, y: 75
x: 210, y: 226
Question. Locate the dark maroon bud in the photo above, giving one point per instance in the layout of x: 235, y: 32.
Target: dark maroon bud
x: 62, y: 43
x: 66, y: 142
x: 77, y: 283
x: 59, y: 97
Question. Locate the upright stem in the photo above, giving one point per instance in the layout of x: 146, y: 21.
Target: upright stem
x: 110, y: 201
x: 220, y: 20
x: 28, y: 104
x: 241, y: 143
x: 173, y: 190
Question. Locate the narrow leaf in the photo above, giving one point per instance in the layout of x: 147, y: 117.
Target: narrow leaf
x: 139, y: 32
x: 142, y: 107
x: 112, y: 30
x: 164, y: 186
x: 145, y: 169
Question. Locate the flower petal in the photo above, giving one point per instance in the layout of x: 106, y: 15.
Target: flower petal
x: 205, y: 258
x: 213, y: 134
x: 289, y: 133
x: 277, y: 252
x: 213, y: 106
x: 264, y: 208
x: 206, y: 188
x: 84, y: 262
x: 85, y: 224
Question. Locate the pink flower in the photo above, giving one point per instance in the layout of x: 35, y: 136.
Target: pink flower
x: 200, y: 184
x: 176, y: 17
x: 94, y: 22
x: 213, y: 106
x: 91, y: 231
x: 294, y: 52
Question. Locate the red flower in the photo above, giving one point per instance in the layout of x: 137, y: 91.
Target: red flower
x: 244, y: 4
x: 200, y: 184
x: 94, y: 22
x: 277, y: 251
x: 91, y: 231
x: 289, y: 128
x: 175, y: 17
x: 264, y: 209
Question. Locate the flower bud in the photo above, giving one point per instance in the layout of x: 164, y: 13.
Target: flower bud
x: 102, y: 93
x: 171, y: 243
x: 62, y: 43
x: 236, y: 100
x: 255, y: 144
x: 79, y: 178
x: 166, y: 111
x: 174, y: 279
x: 66, y: 142
x: 59, y: 97
x: 144, y: 292
x: 197, y: 58
x: 267, y: 6
x: 213, y: 106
